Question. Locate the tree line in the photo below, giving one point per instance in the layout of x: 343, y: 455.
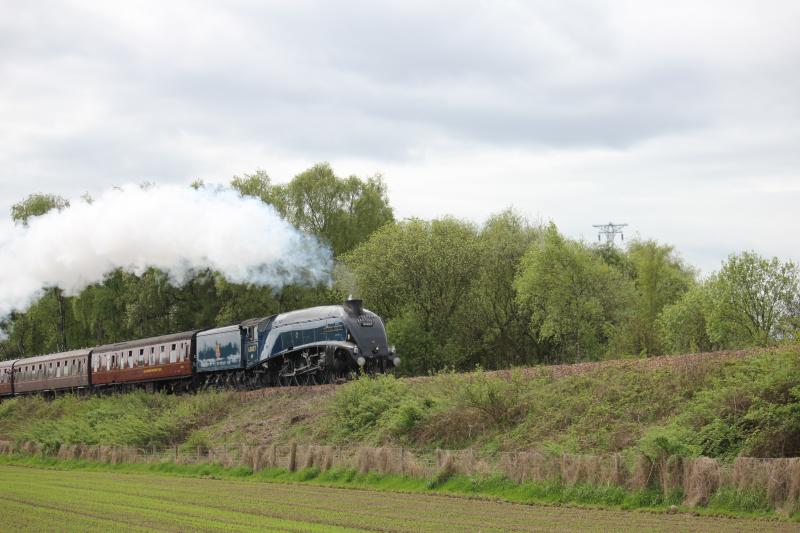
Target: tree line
x: 454, y: 294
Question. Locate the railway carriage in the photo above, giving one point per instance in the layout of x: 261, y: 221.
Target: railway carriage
x: 7, y: 378
x: 156, y: 361
x: 49, y: 374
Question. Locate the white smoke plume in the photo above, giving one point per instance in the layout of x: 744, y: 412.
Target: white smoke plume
x: 176, y: 229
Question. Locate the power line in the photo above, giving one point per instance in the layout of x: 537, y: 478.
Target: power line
x: 610, y: 231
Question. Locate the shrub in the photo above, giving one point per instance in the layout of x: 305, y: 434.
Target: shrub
x: 373, y: 408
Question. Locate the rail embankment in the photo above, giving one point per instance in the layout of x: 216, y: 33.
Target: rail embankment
x: 720, y: 405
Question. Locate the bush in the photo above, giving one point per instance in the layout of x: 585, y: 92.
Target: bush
x: 135, y: 419
x: 374, y: 408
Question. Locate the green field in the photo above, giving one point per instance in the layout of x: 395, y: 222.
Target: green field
x: 49, y: 500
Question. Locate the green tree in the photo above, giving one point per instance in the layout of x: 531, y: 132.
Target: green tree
x: 574, y: 298
x: 36, y: 205
x: 259, y: 185
x: 49, y: 316
x: 754, y: 300
x: 493, y: 329
x: 682, y: 324
x: 417, y: 274
x: 342, y: 212
x: 660, y: 279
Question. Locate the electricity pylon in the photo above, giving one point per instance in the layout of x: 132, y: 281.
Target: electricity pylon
x: 610, y: 231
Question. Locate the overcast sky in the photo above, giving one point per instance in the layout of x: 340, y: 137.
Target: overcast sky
x: 680, y: 118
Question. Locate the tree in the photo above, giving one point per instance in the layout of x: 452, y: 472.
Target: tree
x: 342, y: 212
x: 259, y: 185
x: 574, y: 298
x: 754, y: 300
x: 660, y: 279
x: 417, y: 274
x: 493, y: 328
x: 682, y: 324
x: 52, y: 306
x: 36, y: 205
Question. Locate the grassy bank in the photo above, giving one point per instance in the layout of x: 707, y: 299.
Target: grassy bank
x: 725, y: 502
x: 715, y: 405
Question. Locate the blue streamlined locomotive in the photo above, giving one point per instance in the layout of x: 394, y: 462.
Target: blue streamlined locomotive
x: 307, y: 346
x: 304, y: 347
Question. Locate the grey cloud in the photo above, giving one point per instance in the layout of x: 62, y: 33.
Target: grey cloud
x: 94, y: 94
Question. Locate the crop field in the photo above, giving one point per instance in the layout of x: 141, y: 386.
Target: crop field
x: 49, y: 500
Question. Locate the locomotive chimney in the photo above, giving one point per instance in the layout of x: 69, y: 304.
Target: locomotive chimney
x: 354, y: 305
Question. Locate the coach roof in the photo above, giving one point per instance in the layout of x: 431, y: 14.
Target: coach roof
x: 163, y: 339
x: 52, y: 357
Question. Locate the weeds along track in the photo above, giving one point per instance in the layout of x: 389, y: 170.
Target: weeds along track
x: 678, y: 362
x: 683, y: 362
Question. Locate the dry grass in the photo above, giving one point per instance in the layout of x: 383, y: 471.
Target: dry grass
x: 698, y: 478
x: 780, y: 478
x: 702, y: 478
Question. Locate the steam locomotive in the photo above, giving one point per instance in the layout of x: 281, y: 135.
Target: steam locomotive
x: 304, y: 347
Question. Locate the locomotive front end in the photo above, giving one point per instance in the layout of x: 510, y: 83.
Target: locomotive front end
x: 372, y: 352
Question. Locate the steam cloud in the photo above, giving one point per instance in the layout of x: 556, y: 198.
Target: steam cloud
x: 175, y: 229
